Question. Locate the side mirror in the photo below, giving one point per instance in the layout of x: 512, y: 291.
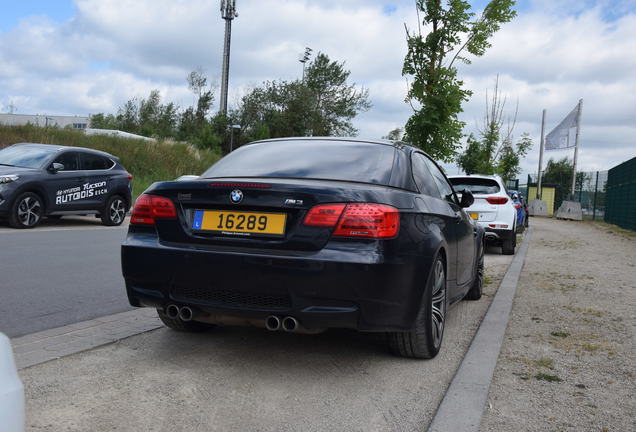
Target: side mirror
x: 55, y: 167
x: 467, y: 199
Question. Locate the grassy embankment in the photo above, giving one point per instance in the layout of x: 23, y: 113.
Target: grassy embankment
x: 147, y: 161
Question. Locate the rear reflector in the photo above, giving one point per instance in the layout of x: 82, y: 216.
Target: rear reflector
x: 497, y: 200
x: 364, y: 220
x: 324, y: 215
x: 130, y: 176
x: 148, y: 208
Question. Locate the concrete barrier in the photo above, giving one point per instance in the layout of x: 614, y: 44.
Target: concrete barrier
x: 538, y: 208
x: 570, y: 210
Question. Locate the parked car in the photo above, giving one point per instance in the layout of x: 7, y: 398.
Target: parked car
x: 11, y: 390
x: 42, y: 180
x: 522, y: 210
x: 305, y: 234
x: 492, y: 209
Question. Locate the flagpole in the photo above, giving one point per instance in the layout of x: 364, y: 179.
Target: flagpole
x: 540, y: 156
x: 576, y: 145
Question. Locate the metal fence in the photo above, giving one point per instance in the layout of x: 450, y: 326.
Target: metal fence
x: 621, y: 195
x: 590, y: 191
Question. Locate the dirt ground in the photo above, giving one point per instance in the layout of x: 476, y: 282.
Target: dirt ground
x: 248, y: 379
x: 568, y: 362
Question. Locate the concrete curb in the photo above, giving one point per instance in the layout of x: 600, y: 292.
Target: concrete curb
x: 463, y: 404
x: 54, y: 343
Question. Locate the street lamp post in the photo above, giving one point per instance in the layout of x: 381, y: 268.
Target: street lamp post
x: 228, y: 13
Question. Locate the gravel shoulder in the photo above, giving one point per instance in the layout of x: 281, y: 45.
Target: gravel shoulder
x: 569, y: 359
x: 253, y: 380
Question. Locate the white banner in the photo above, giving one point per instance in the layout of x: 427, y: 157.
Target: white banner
x: 563, y: 136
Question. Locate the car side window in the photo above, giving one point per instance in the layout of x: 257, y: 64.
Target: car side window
x: 91, y: 162
x: 422, y: 176
x: 445, y: 189
x: 70, y: 160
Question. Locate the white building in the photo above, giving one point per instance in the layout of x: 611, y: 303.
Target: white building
x: 43, y: 120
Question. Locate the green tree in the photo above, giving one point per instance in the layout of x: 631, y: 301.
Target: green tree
x: 494, y: 152
x: 394, y: 135
x: 103, y: 121
x: 436, y: 94
x: 323, y: 104
x: 559, y: 173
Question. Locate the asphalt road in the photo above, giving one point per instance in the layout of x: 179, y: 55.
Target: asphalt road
x: 59, y: 273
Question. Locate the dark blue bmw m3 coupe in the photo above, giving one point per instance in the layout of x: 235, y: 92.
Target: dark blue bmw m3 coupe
x: 306, y: 234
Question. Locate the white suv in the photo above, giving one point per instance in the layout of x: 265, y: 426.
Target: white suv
x: 493, y: 209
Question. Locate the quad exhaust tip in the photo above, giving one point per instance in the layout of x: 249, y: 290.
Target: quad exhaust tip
x: 272, y: 323
x: 185, y: 314
x: 172, y: 311
x: 289, y: 324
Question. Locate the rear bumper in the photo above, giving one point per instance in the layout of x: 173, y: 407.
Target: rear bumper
x: 355, y: 287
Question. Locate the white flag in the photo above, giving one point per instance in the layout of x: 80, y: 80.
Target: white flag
x: 563, y: 136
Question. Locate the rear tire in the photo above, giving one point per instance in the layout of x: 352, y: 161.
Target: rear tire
x: 114, y: 213
x: 508, y: 246
x: 27, y: 211
x: 425, y: 339
x: 183, y: 326
x: 474, y: 293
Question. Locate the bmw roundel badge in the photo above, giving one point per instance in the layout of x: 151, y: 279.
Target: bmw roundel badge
x: 236, y: 196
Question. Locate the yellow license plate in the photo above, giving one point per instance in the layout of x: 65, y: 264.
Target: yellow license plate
x: 239, y: 223
x: 475, y: 216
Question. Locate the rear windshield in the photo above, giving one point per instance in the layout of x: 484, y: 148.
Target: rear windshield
x: 329, y: 160
x: 475, y: 185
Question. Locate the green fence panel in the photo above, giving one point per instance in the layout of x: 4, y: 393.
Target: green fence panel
x: 620, y: 196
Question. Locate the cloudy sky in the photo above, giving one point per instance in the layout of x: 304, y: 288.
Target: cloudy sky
x: 90, y: 56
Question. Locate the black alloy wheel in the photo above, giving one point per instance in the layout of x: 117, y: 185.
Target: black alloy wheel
x: 476, y: 289
x: 425, y: 339
x: 26, y: 211
x: 115, y: 211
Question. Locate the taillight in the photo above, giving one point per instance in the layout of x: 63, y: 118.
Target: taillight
x: 497, y: 200
x: 148, y: 208
x: 517, y: 206
x: 364, y: 220
x: 130, y: 176
x: 324, y: 215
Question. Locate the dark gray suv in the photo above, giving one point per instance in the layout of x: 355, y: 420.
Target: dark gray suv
x: 42, y: 180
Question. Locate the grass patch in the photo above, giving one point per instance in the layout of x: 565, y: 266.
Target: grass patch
x: 583, y: 311
x: 147, y: 161
x: 546, y: 377
x: 560, y: 334
x: 613, y: 229
x: 545, y: 363
x: 487, y: 280
x: 535, y: 364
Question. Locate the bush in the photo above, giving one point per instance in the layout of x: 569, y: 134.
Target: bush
x: 147, y: 161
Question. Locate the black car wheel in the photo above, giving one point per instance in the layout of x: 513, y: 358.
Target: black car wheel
x: 477, y: 287
x: 184, y: 326
x: 115, y: 211
x: 425, y: 339
x: 26, y: 211
x: 508, y: 246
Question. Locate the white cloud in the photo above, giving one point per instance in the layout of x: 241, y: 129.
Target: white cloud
x: 553, y: 54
